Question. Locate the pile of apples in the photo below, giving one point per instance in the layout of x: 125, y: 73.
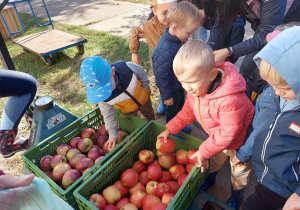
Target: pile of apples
x: 150, y: 184
x: 76, y: 158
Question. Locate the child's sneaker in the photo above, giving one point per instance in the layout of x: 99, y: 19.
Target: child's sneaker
x: 187, y: 129
x: 161, y: 107
x: 8, y: 146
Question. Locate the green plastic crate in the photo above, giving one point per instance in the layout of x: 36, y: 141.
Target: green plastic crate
x: 125, y: 158
x: 48, y: 146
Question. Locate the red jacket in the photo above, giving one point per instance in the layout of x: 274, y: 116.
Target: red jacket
x: 224, y: 114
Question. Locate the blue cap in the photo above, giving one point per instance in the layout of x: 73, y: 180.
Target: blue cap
x: 95, y: 72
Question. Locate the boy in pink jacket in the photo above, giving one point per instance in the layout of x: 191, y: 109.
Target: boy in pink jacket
x: 216, y: 98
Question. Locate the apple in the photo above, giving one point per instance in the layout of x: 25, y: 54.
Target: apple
x: 122, y: 134
x: 181, y: 178
x: 63, y: 149
x: 143, y: 177
x: 101, y: 140
x: 190, y: 153
x: 111, y: 194
x: 94, y: 153
x: 129, y: 206
x: 70, y: 177
x: 45, y: 163
x: 123, y: 189
x: 83, y: 164
x: 102, y: 130
x: 57, y: 159
x: 59, y: 171
x: 162, y: 188
x: 159, y: 206
x: 85, y: 145
x: 96, y: 146
x: 154, y: 172
x: 189, y: 167
x: 181, y: 157
x: 158, y: 153
x: 74, y: 142
x: 166, y: 160
x: 73, y: 161
x: 176, y: 170
x: 138, y: 166
x: 174, y: 185
x: 156, y: 162
x: 165, y: 176
x: 167, y: 146
x: 97, y: 160
x: 146, y: 156
x: 88, y: 133
x: 138, y: 186
x: 129, y: 177
x: 151, y: 187
x: 110, y: 207
x: 167, y: 198
x: 107, y: 148
x: 121, y: 202
x: 149, y: 201
x: 95, y: 138
x: 137, y: 197
x: 72, y: 152
x: 49, y: 173
x: 97, y: 200
x: 87, y: 176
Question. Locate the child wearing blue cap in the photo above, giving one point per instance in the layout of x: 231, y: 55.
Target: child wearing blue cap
x: 124, y: 85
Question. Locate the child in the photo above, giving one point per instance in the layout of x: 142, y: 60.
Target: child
x: 216, y: 98
x: 151, y: 31
x: 121, y: 84
x: 185, y: 18
x: 274, y: 144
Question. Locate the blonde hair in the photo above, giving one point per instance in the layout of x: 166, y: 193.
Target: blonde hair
x: 184, y: 14
x: 267, y: 72
x: 194, y: 55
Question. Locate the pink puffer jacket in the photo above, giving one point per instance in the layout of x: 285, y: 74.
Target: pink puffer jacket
x: 225, y: 114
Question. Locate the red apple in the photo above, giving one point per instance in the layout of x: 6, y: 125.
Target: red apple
x: 158, y: 153
x: 165, y: 176
x: 146, y: 156
x: 73, y: 161
x: 74, y: 142
x: 129, y: 177
x: 122, y: 134
x: 190, y: 153
x: 174, y: 185
x: 165, y: 147
x: 97, y: 200
x: 181, y: 157
x: 96, y: 146
x: 154, y: 172
x: 181, y: 178
x: 121, y: 202
x: 129, y: 206
x: 110, y: 207
x: 97, y: 160
x: 111, y: 194
x: 85, y: 145
x: 123, y: 189
x: 83, y: 164
x: 49, y: 173
x: 151, y: 187
x: 102, y: 130
x: 87, y: 176
x: 176, y: 170
x: 137, y: 197
x: 72, y: 152
x: 138, y: 166
x: 156, y: 162
x: 162, y: 188
x: 167, y: 198
x: 107, y: 148
x: 59, y: 171
x: 45, y: 163
x: 159, y: 206
x: 149, y: 201
x: 95, y: 138
x: 166, y: 160
x: 138, y: 186
x: 101, y: 140
x: 57, y: 159
x: 63, y: 149
x: 94, y: 153
x: 189, y: 167
x: 88, y: 133
x: 143, y: 177
x: 70, y: 177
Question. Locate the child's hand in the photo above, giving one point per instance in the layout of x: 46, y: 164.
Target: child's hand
x: 135, y: 58
x: 164, y: 134
x: 111, y: 142
x: 203, y: 162
x: 236, y: 161
x: 293, y: 203
x: 169, y: 102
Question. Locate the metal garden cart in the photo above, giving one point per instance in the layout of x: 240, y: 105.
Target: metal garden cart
x: 47, y: 42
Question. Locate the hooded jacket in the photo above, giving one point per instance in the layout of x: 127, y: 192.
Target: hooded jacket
x: 224, y: 114
x: 274, y: 143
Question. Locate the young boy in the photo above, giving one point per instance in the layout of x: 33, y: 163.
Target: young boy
x: 274, y: 144
x: 216, y: 98
x: 124, y: 85
x: 185, y: 18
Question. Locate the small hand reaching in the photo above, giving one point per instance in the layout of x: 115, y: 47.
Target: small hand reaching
x: 203, y: 162
x: 169, y: 102
x: 164, y: 135
x: 111, y: 142
x: 236, y: 161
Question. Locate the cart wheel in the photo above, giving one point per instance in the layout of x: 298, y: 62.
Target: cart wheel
x: 80, y: 49
x: 48, y: 60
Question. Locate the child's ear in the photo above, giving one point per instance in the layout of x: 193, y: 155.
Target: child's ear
x: 154, y: 11
x: 174, y: 28
x: 113, y: 71
x: 213, y: 74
